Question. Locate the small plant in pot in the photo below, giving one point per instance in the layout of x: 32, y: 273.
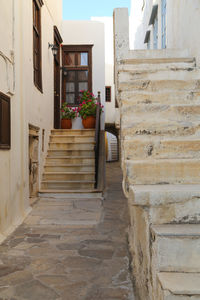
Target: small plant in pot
x: 67, y: 115
x: 87, y: 109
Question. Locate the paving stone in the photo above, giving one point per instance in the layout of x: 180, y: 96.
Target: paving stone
x: 34, y: 290
x: 16, y: 278
x: 70, y: 250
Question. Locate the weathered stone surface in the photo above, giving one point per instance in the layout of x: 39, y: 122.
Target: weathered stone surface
x: 51, y: 257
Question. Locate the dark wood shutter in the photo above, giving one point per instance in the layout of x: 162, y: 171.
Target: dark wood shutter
x: 108, y: 93
x: 37, y: 51
x: 5, y: 122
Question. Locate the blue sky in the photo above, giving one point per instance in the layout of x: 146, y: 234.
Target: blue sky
x: 84, y: 9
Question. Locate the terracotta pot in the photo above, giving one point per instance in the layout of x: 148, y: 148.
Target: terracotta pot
x: 66, y: 123
x: 89, y: 122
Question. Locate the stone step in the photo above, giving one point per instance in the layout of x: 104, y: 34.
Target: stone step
x: 168, y: 203
x: 70, y: 153
x: 176, y: 248
x: 68, y: 168
x: 67, y: 176
x: 71, y: 138
x: 72, y: 146
x: 170, y: 73
x: 150, y: 58
x: 70, y: 160
x: 131, y: 98
x: 71, y: 194
x: 170, y: 66
x: 72, y: 132
x: 178, y: 286
x: 163, y: 171
x: 158, y: 85
x: 158, y: 127
x: 157, y: 112
x: 138, y: 148
x: 67, y: 185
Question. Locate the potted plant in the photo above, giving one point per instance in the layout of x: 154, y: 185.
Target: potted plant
x: 87, y: 109
x: 67, y: 114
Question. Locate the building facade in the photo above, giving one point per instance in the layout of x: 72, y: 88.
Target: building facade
x: 31, y: 92
x: 160, y: 24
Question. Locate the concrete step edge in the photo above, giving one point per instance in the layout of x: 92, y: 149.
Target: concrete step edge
x: 176, y: 230
x: 180, y: 283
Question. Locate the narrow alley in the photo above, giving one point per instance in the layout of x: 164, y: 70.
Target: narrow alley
x: 70, y: 249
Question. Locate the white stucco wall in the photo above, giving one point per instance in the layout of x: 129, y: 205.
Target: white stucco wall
x: 109, y: 66
x: 89, y: 33
x: 28, y: 105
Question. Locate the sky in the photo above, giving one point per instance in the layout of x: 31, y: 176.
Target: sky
x: 85, y: 9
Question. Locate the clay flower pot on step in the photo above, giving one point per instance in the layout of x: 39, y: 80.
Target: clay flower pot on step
x: 66, y: 123
x: 89, y: 122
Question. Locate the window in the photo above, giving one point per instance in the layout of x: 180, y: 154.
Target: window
x: 147, y: 39
x: 108, y: 93
x: 155, y: 33
x: 154, y: 21
x: 163, y: 24
x: 37, y: 52
x: 4, y: 122
x: 77, y: 61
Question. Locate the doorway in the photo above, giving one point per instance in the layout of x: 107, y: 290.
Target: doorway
x: 57, y: 42
x: 33, y: 162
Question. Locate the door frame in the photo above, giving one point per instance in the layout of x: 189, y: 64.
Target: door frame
x: 77, y: 48
x: 57, y: 78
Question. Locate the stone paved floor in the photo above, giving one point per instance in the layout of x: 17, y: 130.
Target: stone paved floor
x: 70, y: 249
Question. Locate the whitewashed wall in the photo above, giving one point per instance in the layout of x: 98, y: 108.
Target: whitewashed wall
x: 89, y: 33
x: 28, y: 105
x: 109, y: 66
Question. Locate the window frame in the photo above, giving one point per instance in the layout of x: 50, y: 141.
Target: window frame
x: 37, y: 44
x: 110, y: 94
x: 163, y: 23
x: 5, y: 146
x: 76, y: 49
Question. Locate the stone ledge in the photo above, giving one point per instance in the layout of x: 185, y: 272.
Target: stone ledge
x: 177, y: 230
x: 156, y: 195
x: 180, y: 283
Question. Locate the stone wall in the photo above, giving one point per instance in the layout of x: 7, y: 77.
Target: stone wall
x: 159, y: 98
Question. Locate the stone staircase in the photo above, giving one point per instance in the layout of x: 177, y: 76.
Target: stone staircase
x: 70, y: 164
x: 159, y: 100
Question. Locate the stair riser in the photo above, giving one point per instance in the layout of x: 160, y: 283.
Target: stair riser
x: 168, y: 74
x: 156, y: 67
x: 67, y: 186
x: 71, y: 139
x: 129, y: 99
x: 80, y: 153
x: 61, y: 146
x: 164, y: 172
x: 72, y: 132
x: 141, y: 148
x: 173, y: 254
x: 71, y: 177
x: 72, y: 168
x: 168, y: 129
x: 76, y: 161
x: 164, y: 85
x: 160, y: 112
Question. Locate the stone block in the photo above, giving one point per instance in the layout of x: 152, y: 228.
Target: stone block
x: 173, y: 171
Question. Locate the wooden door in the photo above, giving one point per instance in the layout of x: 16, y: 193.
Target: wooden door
x: 57, y: 42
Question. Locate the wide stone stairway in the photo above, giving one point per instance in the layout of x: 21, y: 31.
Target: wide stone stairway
x: 159, y: 98
x: 70, y: 163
